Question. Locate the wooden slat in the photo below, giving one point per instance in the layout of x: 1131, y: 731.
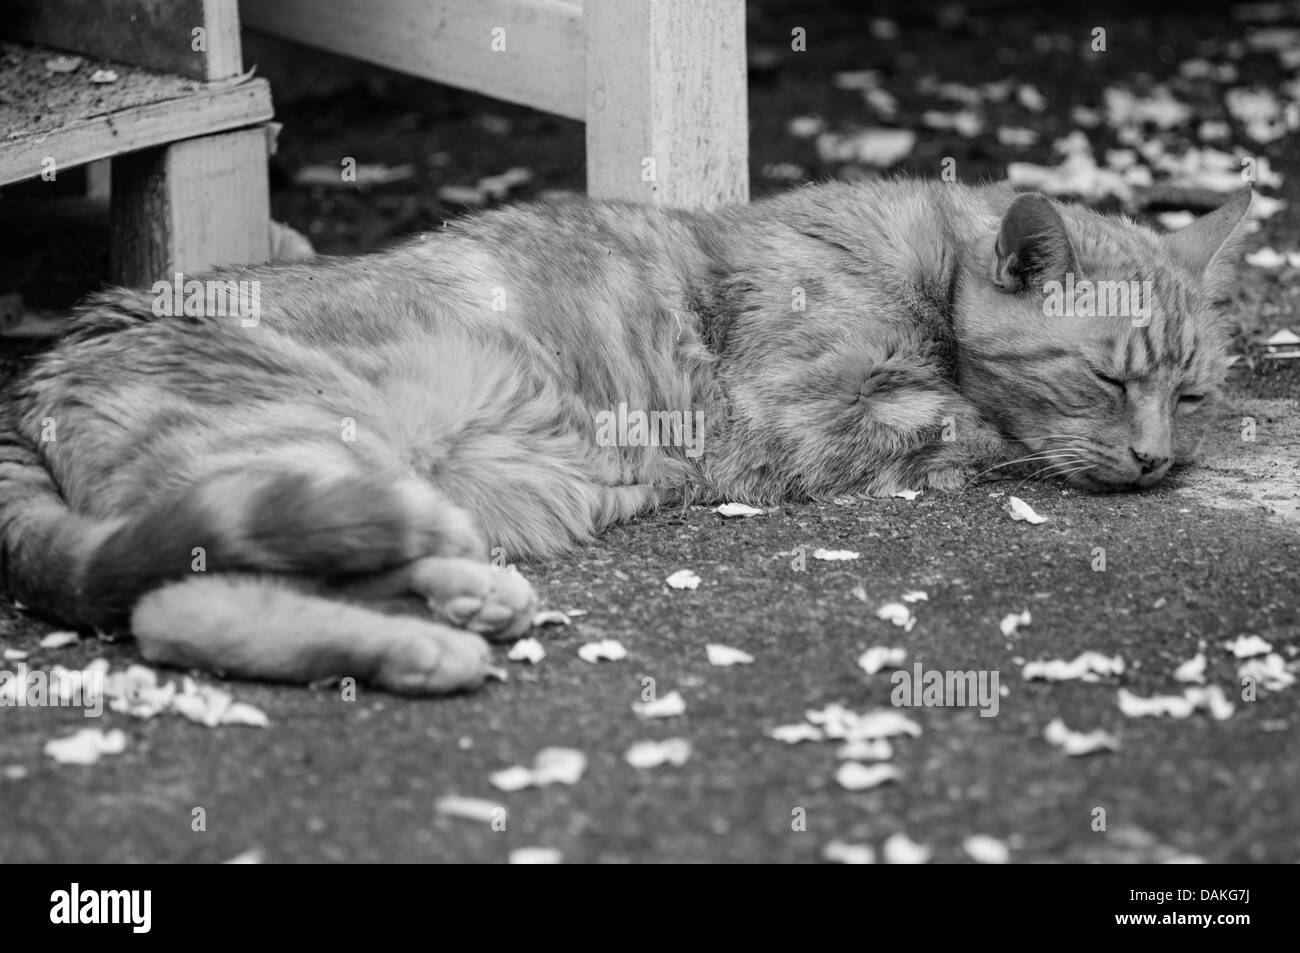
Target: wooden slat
x: 198, y: 113
x: 190, y: 206
x: 666, y: 81
x: 154, y: 34
x: 449, y: 41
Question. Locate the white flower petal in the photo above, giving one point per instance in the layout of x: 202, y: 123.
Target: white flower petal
x: 986, y: 850
x: 725, y: 655
x: 683, y: 579
x: 863, y: 777
x: 526, y: 650
x: 607, y: 650
x: 737, y: 509
x: 901, y: 849
x: 536, y: 855
x: 668, y: 706
x: 1022, y: 511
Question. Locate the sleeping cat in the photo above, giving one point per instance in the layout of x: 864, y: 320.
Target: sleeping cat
x: 313, y: 490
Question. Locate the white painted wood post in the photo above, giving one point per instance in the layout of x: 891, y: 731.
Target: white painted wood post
x: 667, y: 108
x: 190, y: 206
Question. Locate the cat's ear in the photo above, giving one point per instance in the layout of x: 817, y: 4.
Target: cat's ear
x: 1205, y: 247
x: 1033, y: 245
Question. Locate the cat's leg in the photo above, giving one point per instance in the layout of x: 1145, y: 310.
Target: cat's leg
x: 468, y: 594
x: 266, y: 628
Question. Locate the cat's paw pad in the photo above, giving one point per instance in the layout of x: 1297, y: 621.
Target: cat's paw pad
x: 472, y: 595
x: 422, y: 658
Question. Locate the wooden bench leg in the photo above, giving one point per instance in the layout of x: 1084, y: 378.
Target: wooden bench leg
x: 667, y: 116
x: 190, y: 206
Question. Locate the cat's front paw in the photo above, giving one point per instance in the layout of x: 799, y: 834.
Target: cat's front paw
x: 472, y: 595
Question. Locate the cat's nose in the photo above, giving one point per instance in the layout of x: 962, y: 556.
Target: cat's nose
x: 1149, y: 462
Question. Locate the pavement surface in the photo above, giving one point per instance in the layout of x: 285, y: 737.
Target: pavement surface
x: 1208, y: 556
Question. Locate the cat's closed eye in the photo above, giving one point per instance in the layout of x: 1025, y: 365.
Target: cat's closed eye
x: 1110, y: 381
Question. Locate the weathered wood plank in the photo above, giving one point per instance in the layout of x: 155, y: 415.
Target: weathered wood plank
x: 154, y: 34
x: 522, y: 51
x: 190, y: 206
x: 82, y: 140
x: 667, y: 114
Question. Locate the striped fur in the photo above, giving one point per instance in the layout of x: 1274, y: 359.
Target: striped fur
x: 834, y: 340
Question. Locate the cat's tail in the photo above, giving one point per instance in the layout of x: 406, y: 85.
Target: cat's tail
x: 44, y: 546
x: 87, y: 572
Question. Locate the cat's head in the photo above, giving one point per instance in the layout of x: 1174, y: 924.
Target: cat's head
x: 1093, y: 341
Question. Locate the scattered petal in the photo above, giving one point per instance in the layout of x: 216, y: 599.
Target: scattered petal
x: 607, y: 650
x: 470, y: 808
x: 536, y: 855
x: 1010, y: 623
x: 1247, y: 645
x: 908, y: 495
x: 254, y: 856
x: 834, y: 555
x: 878, y: 147
x: 652, y: 754
x: 793, y: 734
x: 725, y: 655
x: 63, y: 64
x: 986, y: 850
x: 1088, y: 667
x: 737, y: 509
x: 1016, y: 136
x: 551, y: 766
x: 1031, y: 98
x: 469, y: 196
x: 1269, y: 671
x: 805, y: 127
x: 684, y: 579
x: 898, y: 614
x: 1173, y: 221
x: 669, y: 706
x: 512, y: 779
x: 1210, y: 698
x: 558, y: 766
x: 841, y: 852
x: 1267, y: 258
x: 58, y: 640
x: 838, y: 722
x: 1193, y: 670
x: 550, y: 617
x: 15, y: 655
x: 916, y: 595
x: 103, y: 76
x: 86, y: 746
x: 901, y: 849
x: 240, y: 713
x: 877, y: 657
x: 1022, y: 511
x: 863, y: 777
x: 1077, y: 743
x: 526, y: 650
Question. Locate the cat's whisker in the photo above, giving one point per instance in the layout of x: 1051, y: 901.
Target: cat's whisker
x: 1029, y: 458
x: 1069, y: 471
x: 1059, y: 464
